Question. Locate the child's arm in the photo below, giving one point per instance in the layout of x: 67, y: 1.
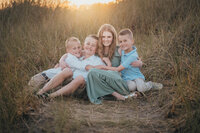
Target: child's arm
x: 62, y: 62
x: 125, y: 64
x: 107, y: 61
x: 98, y: 64
x: 119, y: 68
x: 88, y: 67
x: 137, y: 63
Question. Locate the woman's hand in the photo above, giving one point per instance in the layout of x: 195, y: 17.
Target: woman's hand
x: 63, y: 65
x: 107, y: 61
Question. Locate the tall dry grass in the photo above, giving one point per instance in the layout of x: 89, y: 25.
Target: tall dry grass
x: 167, y: 37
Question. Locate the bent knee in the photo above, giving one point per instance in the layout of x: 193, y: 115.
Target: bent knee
x: 67, y: 72
x: 131, y: 85
x: 141, y: 88
x: 80, y: 79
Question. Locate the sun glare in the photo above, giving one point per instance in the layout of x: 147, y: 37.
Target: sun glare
x: 79, y: 3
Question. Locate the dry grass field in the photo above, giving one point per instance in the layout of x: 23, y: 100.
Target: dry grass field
x: 167, y: 36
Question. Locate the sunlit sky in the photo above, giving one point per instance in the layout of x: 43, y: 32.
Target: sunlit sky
x: 73, y: 3
x: 78, y: 3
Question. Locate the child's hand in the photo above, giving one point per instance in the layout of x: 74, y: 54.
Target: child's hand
x: 137, y: 63
x: 63, y: 65
x: 101, y: 67
x: 107, y: 61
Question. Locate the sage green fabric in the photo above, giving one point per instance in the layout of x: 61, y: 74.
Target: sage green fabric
x: 101, y: 83
x: 116, y: 58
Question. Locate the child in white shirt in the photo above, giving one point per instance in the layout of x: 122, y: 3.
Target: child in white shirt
x: 73, y: 53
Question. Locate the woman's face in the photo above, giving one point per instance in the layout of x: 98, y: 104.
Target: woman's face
x: 90, y: 46
x: 107, y: 38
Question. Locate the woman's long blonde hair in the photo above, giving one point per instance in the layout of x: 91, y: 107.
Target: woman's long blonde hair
x: 111, y: 29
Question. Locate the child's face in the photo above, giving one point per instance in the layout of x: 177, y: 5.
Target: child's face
x: 90, y: 46
x: 107, y: 38
x: 75, y: 49
x: 125, y: 42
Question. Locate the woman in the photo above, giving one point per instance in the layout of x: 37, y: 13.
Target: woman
x: 107, y: 45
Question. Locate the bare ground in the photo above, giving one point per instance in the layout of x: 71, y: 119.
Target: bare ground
x: 145, y: 114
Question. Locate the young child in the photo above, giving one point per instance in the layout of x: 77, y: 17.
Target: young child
x: 73, y: 53
x: 132, y: 75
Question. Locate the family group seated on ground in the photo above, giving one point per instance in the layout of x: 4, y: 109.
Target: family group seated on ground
x: 108, y: 64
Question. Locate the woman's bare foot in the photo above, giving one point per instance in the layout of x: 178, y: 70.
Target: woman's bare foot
x: 118, y: 96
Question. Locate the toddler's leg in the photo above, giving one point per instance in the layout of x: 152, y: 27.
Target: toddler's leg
x: 69, y: 88
x: 142, y: 86
x: 36, y: 82
x: 57, y: 80
x: 118, y: 96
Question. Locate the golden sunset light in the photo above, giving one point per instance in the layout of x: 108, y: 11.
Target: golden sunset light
x: 121, y: 66
x: 79, y: 3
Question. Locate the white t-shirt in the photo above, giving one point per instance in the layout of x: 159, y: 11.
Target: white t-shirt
x: 92, y: 60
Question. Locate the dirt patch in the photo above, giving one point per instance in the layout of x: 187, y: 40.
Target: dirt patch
x: 145, y: 114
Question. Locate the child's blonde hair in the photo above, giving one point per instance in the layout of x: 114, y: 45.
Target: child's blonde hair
x: 71, y: 39
x: 126, y: 31
x: 94, y: 36
x: 111, y: 29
